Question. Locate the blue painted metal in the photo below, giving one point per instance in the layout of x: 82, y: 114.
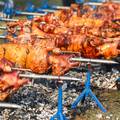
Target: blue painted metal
x: 118, y: 80
x: 82, y: 1
x: 9, y: 8
x: 44, y: 4
x: 87, y: 91
x: 93, y: 6
x: 97, y: 0
x: 118, y: 83
x: 59, y: 115
x: 30, y: 8
x: 79, y: 1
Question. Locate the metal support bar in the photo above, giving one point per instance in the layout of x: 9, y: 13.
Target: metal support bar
x: 59, y: 115
x: 29, y: 13
x: 2, y: 37
x: 9, y: 20
x: 9, y: 105
x: 93, y: 3
x: 21, y: 69
x: 3, y: 27
x: 94, y: 60
x: 87, y: 91
x: 60, y: 7
x: 47, y: 10
x: 36, y: 76
x: 116, y: 1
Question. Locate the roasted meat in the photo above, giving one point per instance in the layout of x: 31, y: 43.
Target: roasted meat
x: 34, y: 57
x: 9, y: 80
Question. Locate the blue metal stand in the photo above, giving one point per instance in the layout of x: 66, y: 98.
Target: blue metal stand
x: 59, y: 115
x: 30, y: 8
x: 87, y: 91
x: 82, y: 1
x: 118, y: 83
x: 9, y: 9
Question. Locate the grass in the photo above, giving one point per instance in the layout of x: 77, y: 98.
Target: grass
x: 37, y: 3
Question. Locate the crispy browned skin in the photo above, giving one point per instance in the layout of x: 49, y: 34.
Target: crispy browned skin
x: 9, y: 83
x: 88, y: 32
x: 61, y: 64
x: 34, y: 57
x: 83, y: 32
x: 109, y: 49
x: 15, y: 53
x: 9, y: 80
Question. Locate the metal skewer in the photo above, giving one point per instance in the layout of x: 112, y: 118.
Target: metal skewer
x: 9, y: 105
x: 5, y: 28
x: 93, y: 3
x: 9, y: 20
x: 116, y: 1
x: 47, y: 10
x: 36, y: 76
x: 60, y: 7
x: 70, y: 52
x: 2, y: 37
x: 112, y: 39
x: 30, y: 13
x: 98, y: 3
x: 40, y: 37
x: 94, y: 60
x: 21, y: 69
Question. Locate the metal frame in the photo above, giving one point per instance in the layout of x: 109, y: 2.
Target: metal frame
x: 59, y: 115
x: 87, y: 91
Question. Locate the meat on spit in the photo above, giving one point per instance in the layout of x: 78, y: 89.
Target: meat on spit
x: 86, y: 32
x: 9, y: 80
x: 36, y: 57
x: 40, y: 57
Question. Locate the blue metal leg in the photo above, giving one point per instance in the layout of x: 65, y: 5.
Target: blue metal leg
x: 74, y: 105
x: 87, y: 91
x: 97, y: 101
x: 59, y: 115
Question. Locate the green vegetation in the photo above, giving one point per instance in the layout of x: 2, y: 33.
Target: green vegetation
x: 22, y: 3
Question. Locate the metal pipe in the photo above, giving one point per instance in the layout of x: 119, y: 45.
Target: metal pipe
x: 99, y: 3
x: 70, y: 52
x: 5, y: 28
x: 60, y: 7
x: 2, y: 37
x: 94, y: 60
x: 93, y: 3
x: 111, y: 40
x: 47, y: 10
x: 9, y: 105
x: 36, y: 76
x: 116, y: 1
x: 40, y: 37
x: 30, y: 13
x: 21, y: 69
x: 9, y: 20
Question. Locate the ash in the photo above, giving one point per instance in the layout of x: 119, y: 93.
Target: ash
x: 39, y: 101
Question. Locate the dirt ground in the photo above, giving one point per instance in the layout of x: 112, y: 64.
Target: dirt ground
x: 110, y: 100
